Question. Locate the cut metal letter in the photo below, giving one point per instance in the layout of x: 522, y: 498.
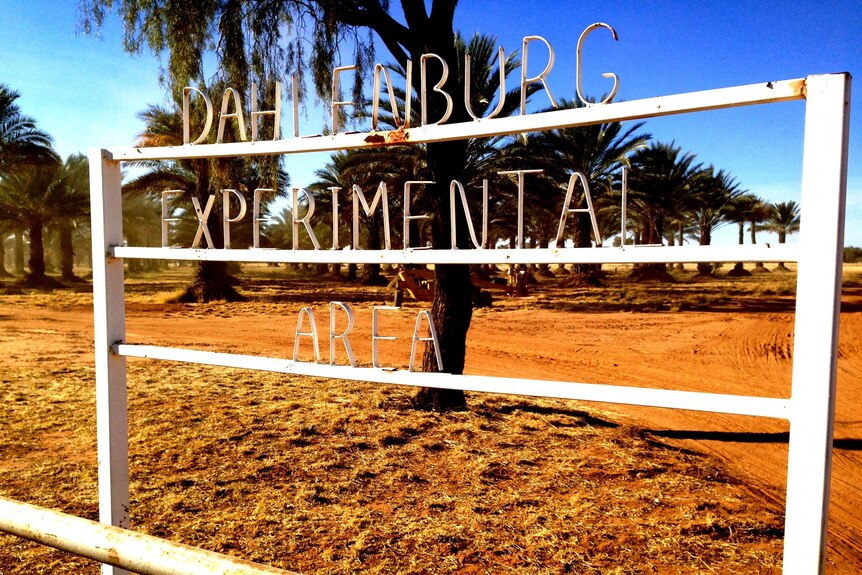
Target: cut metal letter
x: 336, y: 89
x: 226, y: 219
x: 359, y: 198
x: 203, y: 216
x: 501, y: 58
x: 375, y: 98
x: 540, y: 78
x: 579, y: 68
x: 407, y: 217
x: 255, y: 216
x: 333, y: 307
x: 335, y: 218
x: 229, y: 94
x: 432, y: 337
x: 456, y: 185
x: 589, y: 209
x: 276, y: 113
x: 437, y: 86
x: 624, y: 207
x: 294, y: 93
x: 312, y: 332
x: 375, y: 332
x: 304, y: 219
x: 208, y: 122
x: 520, y: 174
x: 166, y: 212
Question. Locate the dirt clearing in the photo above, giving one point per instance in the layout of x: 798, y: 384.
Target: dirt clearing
x: 324, y: 476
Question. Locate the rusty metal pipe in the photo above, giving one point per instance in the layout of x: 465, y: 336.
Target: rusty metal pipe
x: 122, y: 548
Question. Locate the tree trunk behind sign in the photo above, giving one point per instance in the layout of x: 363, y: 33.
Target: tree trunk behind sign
x: 452, y: 307
x: 212, y: 280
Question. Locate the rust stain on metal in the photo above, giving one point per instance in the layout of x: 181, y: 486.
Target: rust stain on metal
x: 800, y: 87
x: 399, y: 136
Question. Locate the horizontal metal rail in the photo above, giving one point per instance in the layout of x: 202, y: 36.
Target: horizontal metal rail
x: 752, y: 94
x: 610, y: 255
x: 119, y: 547
x: 648, y: 397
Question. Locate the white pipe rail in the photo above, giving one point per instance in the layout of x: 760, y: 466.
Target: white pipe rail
x: 605, y: 255
x: 648, y: 397
x: 749, y: 95
x: 119, y: 547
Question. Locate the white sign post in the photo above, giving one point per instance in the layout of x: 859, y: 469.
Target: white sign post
x: 818, y: 253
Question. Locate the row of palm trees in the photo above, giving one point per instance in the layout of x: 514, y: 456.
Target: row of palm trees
x: 672, y: 197
x: 38, y: 191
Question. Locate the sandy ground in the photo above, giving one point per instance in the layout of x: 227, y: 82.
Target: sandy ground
x: 736, y: 352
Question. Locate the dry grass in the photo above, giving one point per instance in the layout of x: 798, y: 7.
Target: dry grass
x: 320, y: 476
x: 326, y: 477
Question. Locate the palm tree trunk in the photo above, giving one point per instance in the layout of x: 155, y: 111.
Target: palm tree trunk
x: 544, y: 270
x: 371, y: 272
x: 67, y: 252
x: 36, y: 262
x: 758, y: 266
x: 452, y: 307
x: 704, y: 268
x: 212, y: 280
x: 738, y: 269
x: 19, y: 251
x: 3, y: 272
x: 584, y: 274
x: 782, y: 237
x: 653, y: 232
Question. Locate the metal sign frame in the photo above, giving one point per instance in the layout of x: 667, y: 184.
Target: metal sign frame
x: 818, y: 254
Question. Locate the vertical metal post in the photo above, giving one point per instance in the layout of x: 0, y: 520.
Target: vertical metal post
x: 110, y: 327
x: 818, y: 303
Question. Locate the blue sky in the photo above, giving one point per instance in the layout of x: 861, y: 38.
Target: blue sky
x: 86, y: 91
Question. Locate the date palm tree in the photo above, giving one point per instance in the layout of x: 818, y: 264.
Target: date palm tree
x: 598, y: 151
x: 784, y: 219
x: 199, y: 178
x: 738, y: 212
x: 661, y: 180
x: 367, y: 168
x: 710, y: 206
x: 759, y: 214
x: 21, y: 142
x: 37, y: 197
x: 75, y: 173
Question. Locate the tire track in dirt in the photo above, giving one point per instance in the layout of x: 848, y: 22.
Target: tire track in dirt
x: 745, y: 354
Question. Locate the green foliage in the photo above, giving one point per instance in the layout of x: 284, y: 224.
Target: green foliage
x: 852, y: 255
x: 263, y: 41
x: 21, y: 142
x: 783, y: 219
